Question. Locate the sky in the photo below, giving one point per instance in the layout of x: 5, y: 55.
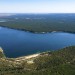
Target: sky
x: 37, y: 6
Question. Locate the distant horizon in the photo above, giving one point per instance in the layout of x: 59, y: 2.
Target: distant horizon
x: 33, y: 13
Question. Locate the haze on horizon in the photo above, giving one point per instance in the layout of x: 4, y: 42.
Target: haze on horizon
x: 37, y: 6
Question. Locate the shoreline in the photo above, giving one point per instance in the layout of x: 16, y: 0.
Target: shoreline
x: 37, y: 31
x: 29, y: 56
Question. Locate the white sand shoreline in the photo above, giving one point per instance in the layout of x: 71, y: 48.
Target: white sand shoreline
x: 29, y: 56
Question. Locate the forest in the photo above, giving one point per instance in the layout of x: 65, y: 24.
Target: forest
x: 40, y: 22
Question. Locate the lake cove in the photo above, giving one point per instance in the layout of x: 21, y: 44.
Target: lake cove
x: 16, y: 43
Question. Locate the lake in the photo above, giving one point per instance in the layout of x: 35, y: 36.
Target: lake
x: 16, y: 43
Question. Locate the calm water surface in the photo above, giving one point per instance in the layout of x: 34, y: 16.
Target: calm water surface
x: 19, y: 43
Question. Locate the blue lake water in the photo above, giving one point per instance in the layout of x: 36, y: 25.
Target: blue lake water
x: 17, y: 43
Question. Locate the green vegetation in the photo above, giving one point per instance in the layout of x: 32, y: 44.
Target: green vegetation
x: 40, y: 22
x: 1, y: 53
x: 60, y: 62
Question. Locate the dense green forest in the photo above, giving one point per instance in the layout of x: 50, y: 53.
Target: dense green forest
x: 59, y: 62
x: 40, y: 22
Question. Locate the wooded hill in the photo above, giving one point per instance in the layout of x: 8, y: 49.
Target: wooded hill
x: 60, y: 62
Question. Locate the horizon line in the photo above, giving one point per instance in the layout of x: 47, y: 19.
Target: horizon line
x: 37, y: 13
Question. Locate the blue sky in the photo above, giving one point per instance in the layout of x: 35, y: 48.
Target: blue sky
x: 37, y: 6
